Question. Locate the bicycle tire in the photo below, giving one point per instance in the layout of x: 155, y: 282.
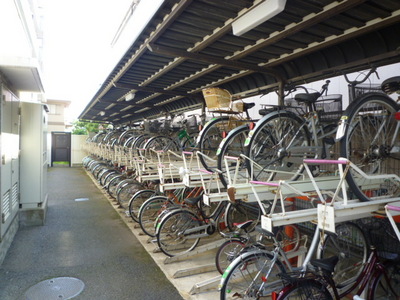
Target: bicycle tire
x: 276, y: 145
x: 247, y: 274
x: 305, y: 289
x: 125, y: 193
x: 386, y: 283
x: 161, y: 142
x: 171, y: 238
x: 137, y: 201
x: 232, y: 145
x: 227, y: 252
x: 105, y: 175
x: 209, y: 139
x: 371, y: 141
x: 113, y: 183
x: 148, y: 213
x: 351, y: 246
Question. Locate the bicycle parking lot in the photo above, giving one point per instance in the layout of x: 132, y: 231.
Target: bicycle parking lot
x: 196, y: 198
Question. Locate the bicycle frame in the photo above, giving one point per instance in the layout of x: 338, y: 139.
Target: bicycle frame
x: 371, y: 272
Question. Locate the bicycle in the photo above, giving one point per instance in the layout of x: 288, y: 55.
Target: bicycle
x: 368, y: 132
x: 254, y: 274
x: 214, y: 131
x: 369, y: 135
x: 150, y: 210
x: 283, y: 138
x: 241, y: 241
x: 180, y: 230
x: 377, y: 280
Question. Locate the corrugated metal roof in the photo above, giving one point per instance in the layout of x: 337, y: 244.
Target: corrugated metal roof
x: 189, y: 45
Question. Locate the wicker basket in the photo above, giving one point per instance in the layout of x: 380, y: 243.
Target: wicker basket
x: 217, y: 99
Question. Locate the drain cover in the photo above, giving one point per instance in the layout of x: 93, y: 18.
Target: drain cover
x: 55, y: 289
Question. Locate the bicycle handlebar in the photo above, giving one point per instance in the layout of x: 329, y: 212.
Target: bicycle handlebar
x: 355, y: 82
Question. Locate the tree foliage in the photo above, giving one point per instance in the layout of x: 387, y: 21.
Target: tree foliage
x: 84, y: 128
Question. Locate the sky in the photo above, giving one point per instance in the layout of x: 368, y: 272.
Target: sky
x: 78, y: 55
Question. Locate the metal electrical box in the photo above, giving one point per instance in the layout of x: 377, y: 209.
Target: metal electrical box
x: 33, y: 164
x: 9, y: 152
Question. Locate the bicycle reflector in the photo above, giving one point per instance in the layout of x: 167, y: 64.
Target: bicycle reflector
x: 224, y: 134
x: 397, y: 116
x: 274, y: 295
x: 252, y: 125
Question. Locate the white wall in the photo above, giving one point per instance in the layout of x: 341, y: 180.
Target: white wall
x: 77, y: 153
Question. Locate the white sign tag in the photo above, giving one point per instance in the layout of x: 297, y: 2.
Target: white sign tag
x: 326, y: 217
x: 266, y: 223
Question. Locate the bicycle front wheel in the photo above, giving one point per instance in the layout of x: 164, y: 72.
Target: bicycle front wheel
x: 351, y: 246
x: 232, y: 145
x: 252, y: 275
x: 209, y: 139
x: 177, y: 232
x: 305, y: 289
x: 137, y: 201
x: 149, y: 212
x: 372, y: 142
x: 277, y: 147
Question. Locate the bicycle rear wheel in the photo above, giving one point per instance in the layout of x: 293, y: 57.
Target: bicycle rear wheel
x: 372, y: 142
x: 387, y: 285
x: 177, y: 234
x: 351, y: 246
x: 252, y: 275
x: 277, y: 146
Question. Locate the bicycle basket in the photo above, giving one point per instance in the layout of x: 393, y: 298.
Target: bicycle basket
x: 361, y: 89
x: 380, y: 234
x: 217, y: 99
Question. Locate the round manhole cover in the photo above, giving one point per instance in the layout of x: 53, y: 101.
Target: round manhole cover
x: 56, y: 288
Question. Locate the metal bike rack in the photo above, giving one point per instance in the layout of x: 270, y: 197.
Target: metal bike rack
x: 327, y: 214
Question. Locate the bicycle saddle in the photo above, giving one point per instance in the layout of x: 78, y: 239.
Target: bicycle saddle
x: 307, y: 98
x: 193, y: 200
x: 247, y: 106
x: 326, y: 264
x: 244, y: 225
x: 391, y: 85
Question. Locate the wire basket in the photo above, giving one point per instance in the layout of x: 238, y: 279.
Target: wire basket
x: 379, y: 233
x: 361, y: 89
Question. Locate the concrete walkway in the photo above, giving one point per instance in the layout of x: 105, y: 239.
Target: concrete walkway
x: 84, y: 239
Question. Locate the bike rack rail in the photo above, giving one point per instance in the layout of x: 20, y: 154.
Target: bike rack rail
x: 338, y: 209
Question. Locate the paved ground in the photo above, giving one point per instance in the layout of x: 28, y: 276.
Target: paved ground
x: 87, y: 240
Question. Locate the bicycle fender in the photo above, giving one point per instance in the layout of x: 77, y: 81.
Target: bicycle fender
x: 229, y: 134
x: 341, y: 128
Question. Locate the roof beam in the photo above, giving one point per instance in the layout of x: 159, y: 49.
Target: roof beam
x: 211, y: 59
x: 149, y: 89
